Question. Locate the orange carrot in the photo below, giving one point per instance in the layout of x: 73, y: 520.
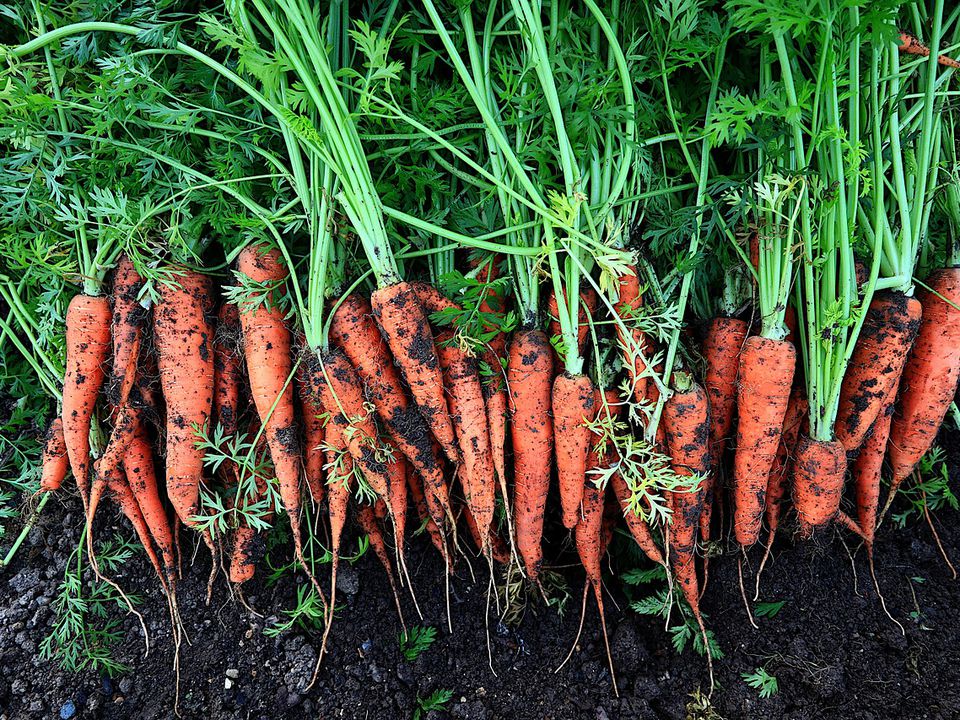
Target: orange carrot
x: 126, y: 329
x: 766, y: 373
x: 912, y: 46
x: 573, y: 409
x: 367, y: 518
x: 876, y: 365
x: 529, y: 377
x: 55, y: 461
x: 354, y: 330
x: 88, y: 347
x: 819, y: 469
x: 415, y: 485
x: 249, y: 546
x: 588, y: 305
x: 313, y: 434
x: 183, y: 335
x: 404, y: 324
x: 633, y: 339
x: 267, y: 348
x: 142, y: 478
x: 123, y: 496
x: 228, y: 369
x: 779, y: 474
x: 721, y: 350
x: 498, y: 549
x: 467, y: 411
x: 929, y: 380
x: 495, y: 398
x: 637, y: 526
x: 866, y: 475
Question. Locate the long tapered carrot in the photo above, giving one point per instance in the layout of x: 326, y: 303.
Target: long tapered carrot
x: 228, y: 369
x: 267, y: 348
x: 468, y: 413
x: 638, y: 527
x: 183, y: 334
x: 929, y: 380
x: 779, y: 473
x: 123, y: 496
x: 125, y: 329
x: 632, y: 340
x: 339, y: 469
x: 314, y: 433
x: 877, y: 362
x: 497, y: 405
x: 354, y: 330
x: 405, y: 325
x: 818, y: 474
x: 367, y: 519
x: 55, y: 463
x: 573, y: 408
x: 415, y: 485
x: 87, y: 349
x: 141, y: 475
x: 529, y: 378
x: 721, y: 351
x: 766, y: 374
x: 866, y: 471
x: 909, y: 44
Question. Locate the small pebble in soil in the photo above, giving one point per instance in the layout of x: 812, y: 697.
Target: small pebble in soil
x: 126, y: 685
x: 233, y: 673
x: 106, y: 685
x: 68, y: 710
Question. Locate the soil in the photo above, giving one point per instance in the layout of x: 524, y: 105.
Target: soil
x: 831, y: 647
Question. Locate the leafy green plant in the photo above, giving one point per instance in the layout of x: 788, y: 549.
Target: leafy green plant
x: 931, y: 491
x: 415, y: 641
x: 762, y: 681
x: 768, y: 609
x: 437, y: 700
x: 308, y: 614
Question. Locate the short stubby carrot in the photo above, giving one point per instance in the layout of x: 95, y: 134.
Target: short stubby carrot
x: 354, y: 330
x: 929, y: 380
x: 573, y: 410
x: 267, y: 348
x: 88, y: 347
x: 55, y: 463
x: 405, y: 325
x: 467, y: 410
x: 763, y: 391
x: 876, y: 364
x: 529, y: 379
x: 818, y: 474
x: 183, y: 334
x: 721, y: 350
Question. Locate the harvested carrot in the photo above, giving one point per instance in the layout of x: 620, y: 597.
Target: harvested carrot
x: 267, y: 345
x: 415, y: 485
x: 929, y: 380
x: 56, y: 464
x: 88, y: 347
x: 876, y: 365
x: 588, y: 306
x: 313, y: 434
x: 912, y: 46
x: 404, y: 324
x: 142, y: 478
x: 721, y: 350
x: 228, y: 369
x: 468, y: 413
x: 779, y: 473
x: 637, y: 526
x: 126, y: 328
x: 866, y: 472
x: 529, y: 377
x: 766, y: 374
x: 125, y: 500
x: 819, y: 469
x: 573, y: 409
x: 183, y: 335
x: 631, y: 339
x: 367, y: 519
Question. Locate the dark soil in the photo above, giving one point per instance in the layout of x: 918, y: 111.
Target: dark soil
x: 834, y: 652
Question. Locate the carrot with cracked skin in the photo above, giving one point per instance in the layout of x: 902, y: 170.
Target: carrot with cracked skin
x: 267, y: 349
x: 87, y: 349
x: 183, y: 335
x: 929, y: 381
x: 403, y: 321
x: 55, y: 463
x: 468, y: 413
x: 686, y: 420
x: 139, y: 468
x: 721, y: 351
x: 763, y: 391
x: 875, y: 367
x: 573, y: 409
x: 354, y: 330
x: 529, y: 377
x: 818, y: 473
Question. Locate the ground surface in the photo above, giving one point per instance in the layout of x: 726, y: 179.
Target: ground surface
x: 834, y: 652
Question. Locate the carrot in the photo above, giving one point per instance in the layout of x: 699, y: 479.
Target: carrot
x: 721, y: 350
x: 228, y: 369
x: 339, y: 469
x: 267, y: 349
x: 249, y: 546
x: 367, y: 518
x: 637, y: 526
x: 313, y: 434
x: 573, y: 409
x: 404, y: 324
x: 354, y: 330
x: 912, y: 46
x: 876, y: 364
x: 588, y: 305
x: 415, y: 485
x: 779, y: 474
x: 819, y: 469
x: 126, y: 329
x: 141, y: 476
x: 467, y: 411
x: 87, y: 349
x: 866, y: 475
x: 123, y: 496
x: 55, y: 463
x: 494, y: 389
x: 529, y: 377
x: 929, y: 380
x: 766, y: 373
x: 632, y: 340
x: 183, y: 335
x: 498, y: 548
x: 686, y: 420
x: 397, y: 469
